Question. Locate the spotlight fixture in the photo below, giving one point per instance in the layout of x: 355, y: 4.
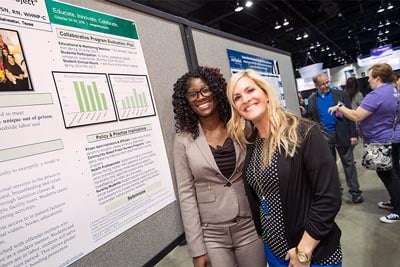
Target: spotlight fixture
x: 381, y: 9
x: 380, y: 24
x: 285, y: 22
x: 248, y: 3
x: 312, y: 46
x: 277, y: 25
x: 298, y: 37
x: 327, y: 48
x: 323, y: 49
x: 386, y: 31
x: 390, y: 6
x: 305, y: 35
x: 380, y: 33
x: 387, y: 22
x: 317, y: 45
x: 238, y: 7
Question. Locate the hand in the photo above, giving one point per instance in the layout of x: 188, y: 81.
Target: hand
x: 354, y: 140
x: 333, y: 109
x: 291, y: 256
x: 201, y: 261
x: 302, y: 110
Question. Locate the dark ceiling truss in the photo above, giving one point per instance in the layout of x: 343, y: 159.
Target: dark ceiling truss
x: 348, y: 28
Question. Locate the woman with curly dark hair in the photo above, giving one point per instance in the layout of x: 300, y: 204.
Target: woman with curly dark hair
x: 208, y: 168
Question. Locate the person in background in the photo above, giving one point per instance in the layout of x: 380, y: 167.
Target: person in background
x: 354, y: 92
x: 208, y: 168
x: 376, y: 116
x: 355, y: 95
x: 291, y: 178
x: 339, y: 131
x: 302, y: 104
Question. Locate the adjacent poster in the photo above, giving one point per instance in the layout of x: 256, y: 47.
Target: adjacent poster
x: 82, y: 158
x: 267, y: 68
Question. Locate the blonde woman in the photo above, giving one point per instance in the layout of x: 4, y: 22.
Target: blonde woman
x: 290, y: 177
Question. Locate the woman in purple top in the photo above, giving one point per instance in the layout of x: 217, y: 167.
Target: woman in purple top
x: 377, y: 115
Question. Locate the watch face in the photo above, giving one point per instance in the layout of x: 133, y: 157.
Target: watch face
x: 302, y: 257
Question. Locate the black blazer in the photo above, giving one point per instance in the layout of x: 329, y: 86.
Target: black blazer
x: 345, y: 128
x: 310, y: 192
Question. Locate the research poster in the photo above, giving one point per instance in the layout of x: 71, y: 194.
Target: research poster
x: 82, y: 158
x: 267, y: 68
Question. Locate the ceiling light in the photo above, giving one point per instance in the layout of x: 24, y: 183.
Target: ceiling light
x: 317, y: 45
x: 380, y: 33
x: 277, y: 25
x: 238, y: 7
x: 386, y: 31
x: 298, y: 37
x: 305, y: 35
x: 248, y: 3
x: 390, y: 6
x: 323, y: 49
x: 285, y: 22
x: 380, y: 24
x: 312, y: 46
x: 387, y: 22
x: 330, y: 54
x: 381, y: 9
x: 327, y: 48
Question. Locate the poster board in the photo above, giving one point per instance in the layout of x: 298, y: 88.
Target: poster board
x: 211, y: 51
x: 75, y: 132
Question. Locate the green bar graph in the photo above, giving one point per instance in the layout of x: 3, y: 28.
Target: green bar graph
x: 88, y: 97
x: 128, y: 102
x: 140, y: 100
x: 96, y: 94
x: 91, y: 97
x: 136, y: 98
x: 85, y: 96
x: 133, y: 102
x: 103, y: 100
x: 144, y: 100
x: 79, y: 97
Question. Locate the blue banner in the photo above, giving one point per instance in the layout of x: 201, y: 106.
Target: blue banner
x: 241, y: 61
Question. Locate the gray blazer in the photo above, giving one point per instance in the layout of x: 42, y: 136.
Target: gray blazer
x: 205, y: 195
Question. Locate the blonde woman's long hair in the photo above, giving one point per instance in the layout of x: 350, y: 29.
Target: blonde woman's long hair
x: 283, y: 124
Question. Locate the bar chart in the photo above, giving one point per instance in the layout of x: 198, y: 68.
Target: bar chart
x: 132, y: 96
x: 85, y: 98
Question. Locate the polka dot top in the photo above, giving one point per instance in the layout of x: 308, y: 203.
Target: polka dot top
x: 265, y: 183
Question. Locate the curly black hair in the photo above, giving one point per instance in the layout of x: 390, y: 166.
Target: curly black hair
x: 186, y: 120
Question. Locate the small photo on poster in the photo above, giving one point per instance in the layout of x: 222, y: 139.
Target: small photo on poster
x: 14, y: 74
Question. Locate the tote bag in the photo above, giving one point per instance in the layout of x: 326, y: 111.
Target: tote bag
x: 377, y: 156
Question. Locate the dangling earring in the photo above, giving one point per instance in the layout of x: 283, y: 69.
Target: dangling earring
x: 242, y: 123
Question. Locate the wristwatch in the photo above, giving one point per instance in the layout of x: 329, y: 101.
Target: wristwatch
x: 340, y: 104
x: 302, y: 256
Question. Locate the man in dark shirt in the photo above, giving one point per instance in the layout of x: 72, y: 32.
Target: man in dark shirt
x: 337, y: 129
